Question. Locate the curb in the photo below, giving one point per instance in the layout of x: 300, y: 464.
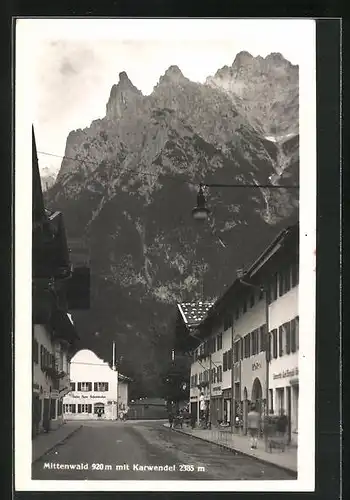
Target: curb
x: 58, y: 443
x: 239, y: 452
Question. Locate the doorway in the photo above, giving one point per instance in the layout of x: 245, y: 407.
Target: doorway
x: 257, y: 395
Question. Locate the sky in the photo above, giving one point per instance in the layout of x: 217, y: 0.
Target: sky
x: 73, y: 63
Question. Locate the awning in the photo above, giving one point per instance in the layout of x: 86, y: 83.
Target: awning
x: 63, y: 327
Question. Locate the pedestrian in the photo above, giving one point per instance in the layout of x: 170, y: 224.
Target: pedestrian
x: 253, y: 427
x: 281, y: 428
x: 171, y: 419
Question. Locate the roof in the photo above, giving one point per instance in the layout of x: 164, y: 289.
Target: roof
x: 194, y: 312
x: 287, y: 233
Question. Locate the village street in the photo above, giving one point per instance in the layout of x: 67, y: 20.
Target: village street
x: 119, y: 450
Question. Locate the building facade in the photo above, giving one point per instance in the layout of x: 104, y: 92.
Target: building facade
x: 248, y: 342
x: 50, y: 353
x: 53, y: 331
x: 97, y: 391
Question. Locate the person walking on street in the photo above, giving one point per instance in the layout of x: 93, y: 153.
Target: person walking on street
x: 281, y: 428
x: 171, y: 419
x: 253, y: 426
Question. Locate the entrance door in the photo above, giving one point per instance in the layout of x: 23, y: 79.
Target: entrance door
x: 289, y: 411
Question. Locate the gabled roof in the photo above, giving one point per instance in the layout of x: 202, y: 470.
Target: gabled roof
x: 194, y: 312
x: 291, y: 233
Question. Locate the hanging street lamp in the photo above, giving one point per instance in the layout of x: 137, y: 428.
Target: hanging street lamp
x: 200, y: 212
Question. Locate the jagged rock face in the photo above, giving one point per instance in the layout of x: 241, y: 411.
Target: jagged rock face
x: 130, y: 189
x: 265, y: 89
x: 48, y: 178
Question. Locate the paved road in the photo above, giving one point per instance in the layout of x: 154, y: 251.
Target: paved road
x: 119, y: 450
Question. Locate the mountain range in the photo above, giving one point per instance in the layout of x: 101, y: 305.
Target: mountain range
x: 129, y: 181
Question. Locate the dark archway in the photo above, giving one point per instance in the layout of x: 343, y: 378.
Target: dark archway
x: 257, y: 394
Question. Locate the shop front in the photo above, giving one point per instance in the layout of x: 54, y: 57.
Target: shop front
x: 284, y: 397
x: 216, y: 413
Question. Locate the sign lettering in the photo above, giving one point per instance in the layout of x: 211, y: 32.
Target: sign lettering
x: 286, y: 373
x: 83, y: 396
x: 256, y: 366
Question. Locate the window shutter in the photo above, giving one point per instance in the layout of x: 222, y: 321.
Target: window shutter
x: 287, y: 329
x: 79, y: 386
x: 280, y: 341
x: 274, y: 337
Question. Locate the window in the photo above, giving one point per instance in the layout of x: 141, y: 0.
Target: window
x: 273, y: 288
x: 35, y: 353
x: 69, y: 408
x: 280, y: 340
x: 236, y: 352
x: 219, y: 341
x: 288, y: 337
x: 219, y: 374
x: 271, y: 400
x: 247, y: 346
x: 213, y: 376
x: 262, y: 331
x: 85, y: 386
x: 85, y: 408
x: 224, y: 362
x: 297, y: 332
x: 229, y: 359
x: 100, y: 386
x: 252, y: 300
x: 274, y: 342
x: 254, y: 342
x: 295, y: 274
x: 285, y: 281
x: 72, y: 386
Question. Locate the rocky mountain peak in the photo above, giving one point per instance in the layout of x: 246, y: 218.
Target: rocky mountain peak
x: 266, y: 90
x: 123, y: 96
x: 173, y: 75
x: 242, y: 58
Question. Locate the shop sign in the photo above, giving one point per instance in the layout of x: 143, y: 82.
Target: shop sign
x: 83, y: 396
x: 217, y: 389
x: 286, y: 373
x: 256, y: 365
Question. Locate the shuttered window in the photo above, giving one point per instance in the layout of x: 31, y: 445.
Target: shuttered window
x: 274, y: 343
x: 280, y: 340
x: 224, y: 362
x: 288, y: 337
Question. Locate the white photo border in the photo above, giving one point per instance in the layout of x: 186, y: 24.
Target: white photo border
x: 27, y: 36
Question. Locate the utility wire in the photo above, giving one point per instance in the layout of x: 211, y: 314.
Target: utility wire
x: 149, y: 174
x: 122, y: 169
